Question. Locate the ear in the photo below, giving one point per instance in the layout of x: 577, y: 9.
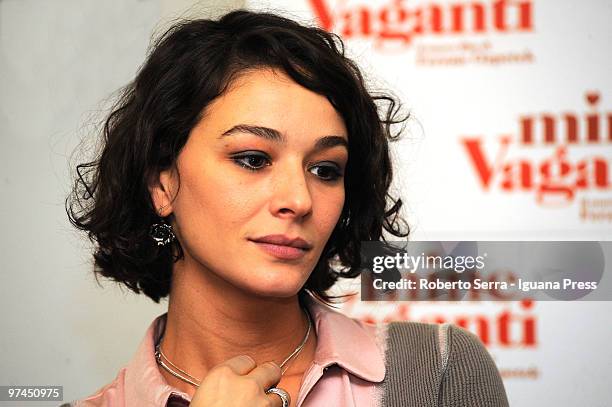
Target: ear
x: 161, y: 188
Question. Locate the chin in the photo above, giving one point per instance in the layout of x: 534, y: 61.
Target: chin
x: 278, y: 284
x: 274, y: 292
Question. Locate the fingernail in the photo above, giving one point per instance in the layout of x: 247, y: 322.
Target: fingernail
x: 274, y: 364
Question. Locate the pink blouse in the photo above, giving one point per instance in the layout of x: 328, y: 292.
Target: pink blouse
x: 347, y: 369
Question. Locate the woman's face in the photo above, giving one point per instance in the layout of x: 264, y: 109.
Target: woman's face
x: 268, y: 158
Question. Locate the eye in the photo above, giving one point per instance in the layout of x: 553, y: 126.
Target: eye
x: 327, y: 173
x: 252, y: 161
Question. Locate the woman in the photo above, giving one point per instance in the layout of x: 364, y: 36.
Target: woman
x: 245, y: 157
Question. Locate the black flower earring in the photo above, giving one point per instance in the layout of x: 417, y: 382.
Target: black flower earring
x: 162, y: 232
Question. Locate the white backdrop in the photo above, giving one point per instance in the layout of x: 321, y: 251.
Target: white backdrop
x: 59, y: 60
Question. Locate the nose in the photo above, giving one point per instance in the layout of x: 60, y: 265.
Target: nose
x: 291, y: 194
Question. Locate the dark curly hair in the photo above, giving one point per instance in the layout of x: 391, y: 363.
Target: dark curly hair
x: 189, y: 66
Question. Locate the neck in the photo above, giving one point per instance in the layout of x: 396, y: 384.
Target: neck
x: 210, y: 321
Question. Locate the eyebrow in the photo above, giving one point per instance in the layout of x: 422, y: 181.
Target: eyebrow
x: 278, y: 137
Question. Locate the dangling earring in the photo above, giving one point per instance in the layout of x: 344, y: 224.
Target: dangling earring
x: 345, y: 222
x: 162, y: 232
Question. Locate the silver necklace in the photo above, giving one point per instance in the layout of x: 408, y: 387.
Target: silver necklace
x: 161, y: 359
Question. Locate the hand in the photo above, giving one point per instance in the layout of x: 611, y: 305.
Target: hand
x: 239, y: 382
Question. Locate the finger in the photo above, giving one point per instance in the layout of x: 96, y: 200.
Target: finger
x: 266, y: 375
x: 277, y: 400
x: 240, y: 365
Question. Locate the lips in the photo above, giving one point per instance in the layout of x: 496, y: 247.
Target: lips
x: 283, y: 240
x: 283, y: 247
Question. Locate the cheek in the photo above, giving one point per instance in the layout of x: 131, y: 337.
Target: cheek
x: 219, y: 201
x: 329, y: 207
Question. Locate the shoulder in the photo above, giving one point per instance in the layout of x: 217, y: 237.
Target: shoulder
x: 111, y: 394
x: 446, y: 343
x: 449, y: 361
x: 470, y: 376
x: 460, y: 345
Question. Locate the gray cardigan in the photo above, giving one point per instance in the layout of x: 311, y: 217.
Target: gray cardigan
x: 439, y: 366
